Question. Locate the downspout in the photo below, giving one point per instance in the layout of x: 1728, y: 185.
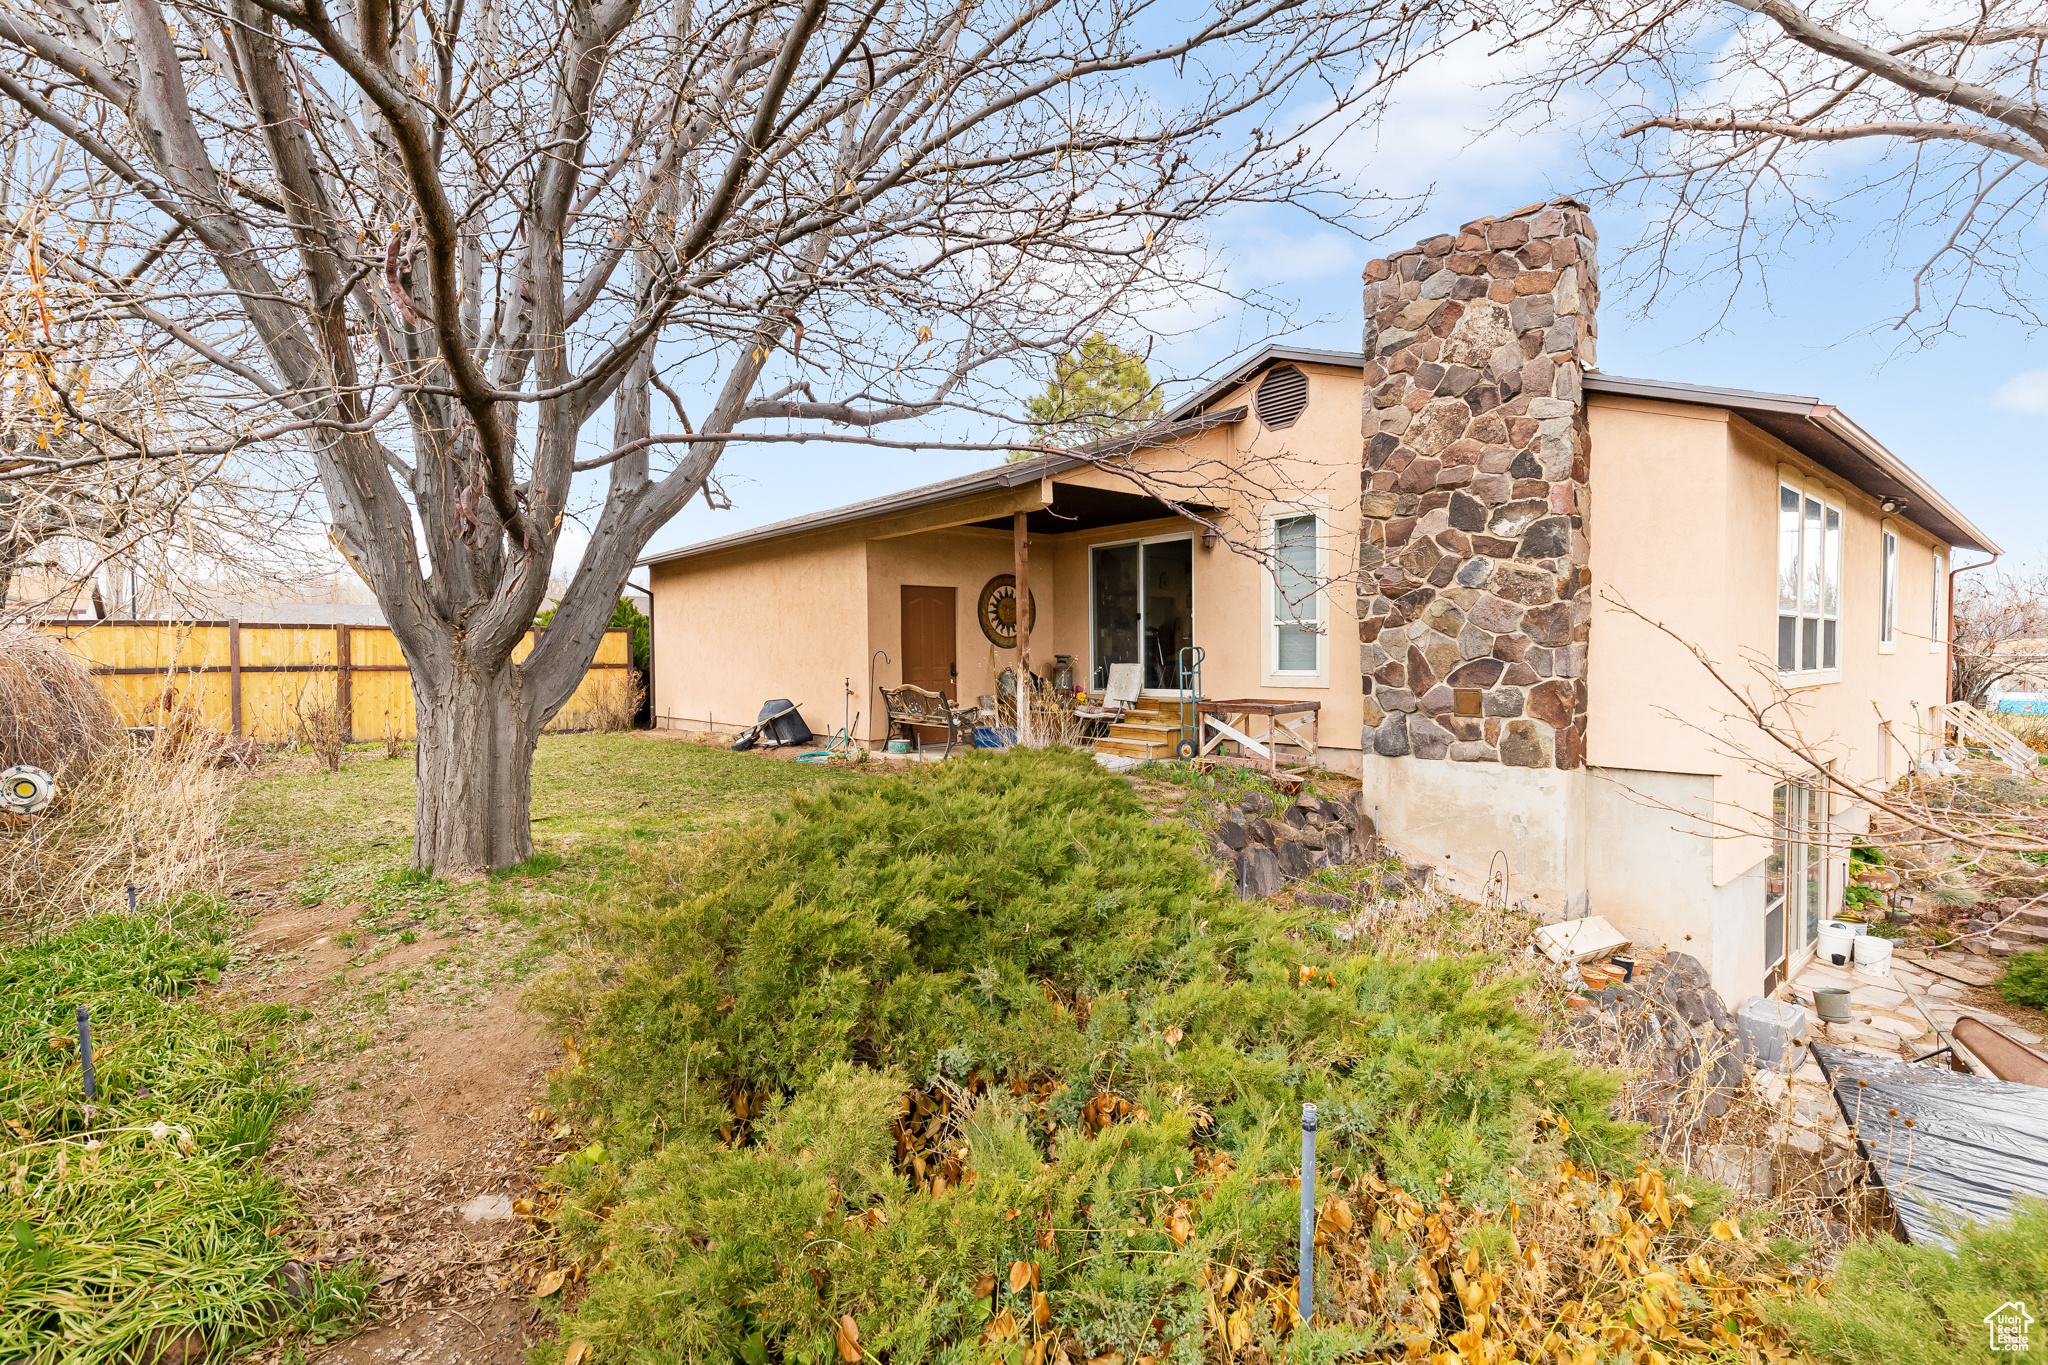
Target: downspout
x: 1949, y: 645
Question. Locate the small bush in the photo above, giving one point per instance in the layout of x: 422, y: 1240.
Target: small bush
x: 2026, y: 979
x: 1951, y: 895
x: 1893, y: 1304
x: 318, y: 724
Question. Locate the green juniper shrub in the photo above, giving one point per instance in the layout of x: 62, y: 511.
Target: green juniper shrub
x: 752, y: 1011
x: 2026, y: 979
x: 1893, y: 1304
x: 148, y: 1212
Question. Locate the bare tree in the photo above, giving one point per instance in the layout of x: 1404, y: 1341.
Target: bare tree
x: 1747, y: 127
x: 1999, y: 638
x: 467, y: 253
x: 80, y: 394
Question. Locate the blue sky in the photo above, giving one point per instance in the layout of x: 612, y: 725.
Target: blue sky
x: 1968, y: 412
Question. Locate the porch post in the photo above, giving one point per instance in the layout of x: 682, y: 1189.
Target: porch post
x: 1021, y: 548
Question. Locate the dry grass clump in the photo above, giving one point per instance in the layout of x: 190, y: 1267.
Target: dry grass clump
x: 609, y: 700
x: 52, y: 712
x: 1387, y: 909
x: 318, y: 724
x: 2031, y: 731
x: 152, y: 817
x: 1775, y: 1146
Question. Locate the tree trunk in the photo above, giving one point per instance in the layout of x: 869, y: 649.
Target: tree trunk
x: 475, y: 767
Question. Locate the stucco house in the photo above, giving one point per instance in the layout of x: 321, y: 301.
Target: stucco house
x: 1475, y: 540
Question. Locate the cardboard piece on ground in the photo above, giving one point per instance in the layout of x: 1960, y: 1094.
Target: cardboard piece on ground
x: 1964, y: 972
x: 1575, y: 940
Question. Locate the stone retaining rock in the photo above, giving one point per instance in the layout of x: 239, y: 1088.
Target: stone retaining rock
x: 1676, y: 1019
x: 1264, y: 846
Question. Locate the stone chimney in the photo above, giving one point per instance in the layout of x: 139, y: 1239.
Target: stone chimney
x: 1474, y: 605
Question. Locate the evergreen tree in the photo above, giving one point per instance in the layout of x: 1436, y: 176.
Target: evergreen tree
x: 1096, y: 391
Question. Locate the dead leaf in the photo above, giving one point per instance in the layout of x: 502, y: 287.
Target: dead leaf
x: 1041, y: 1308
x: 848, y: 1338
x: 550, y: 1283
x: 1020, y: 1275
x: 984, y: 1286
x: 1173, y: 1036
x: 1237, y: 1333
x: 1001, y: 1327
x: 578, y: 1352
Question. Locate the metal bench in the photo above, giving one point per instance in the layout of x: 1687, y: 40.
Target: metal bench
x: 912, y: 708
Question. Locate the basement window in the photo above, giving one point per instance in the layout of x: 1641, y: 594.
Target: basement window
x: 1809, y: 581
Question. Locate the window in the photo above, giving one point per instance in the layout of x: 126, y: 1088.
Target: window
x: 1888, y: 583
x: 1297, y: 600
x: 1809, y: 582
x: 1937, y: 606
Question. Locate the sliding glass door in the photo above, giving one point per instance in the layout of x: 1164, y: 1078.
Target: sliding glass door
x: 1142, y: 609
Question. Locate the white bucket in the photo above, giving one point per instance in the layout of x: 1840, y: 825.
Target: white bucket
x: 1874, y: 955
x: 1836, y: 939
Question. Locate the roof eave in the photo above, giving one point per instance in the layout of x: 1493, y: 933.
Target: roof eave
x: 1835, y: 420
x: 1768, y: 411
x: 1269, y: 355
x: 951, y: 490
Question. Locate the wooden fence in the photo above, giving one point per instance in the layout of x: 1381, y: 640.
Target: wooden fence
x: 256, y: 679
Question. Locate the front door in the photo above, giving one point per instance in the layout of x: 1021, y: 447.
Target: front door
x: 928, y: 658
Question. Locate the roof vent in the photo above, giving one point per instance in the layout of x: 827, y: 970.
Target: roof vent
x: 1282, y: 394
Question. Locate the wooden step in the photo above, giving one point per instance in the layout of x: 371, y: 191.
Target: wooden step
x: 1135, y: 748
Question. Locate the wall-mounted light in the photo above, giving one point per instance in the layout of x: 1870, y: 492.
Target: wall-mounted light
x: 1208, y: 540
x: 1891, y: 507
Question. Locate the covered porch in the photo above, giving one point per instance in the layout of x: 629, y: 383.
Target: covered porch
x: 1050, y: 578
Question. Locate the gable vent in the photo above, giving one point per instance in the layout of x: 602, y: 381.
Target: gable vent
x: 1282, y: 395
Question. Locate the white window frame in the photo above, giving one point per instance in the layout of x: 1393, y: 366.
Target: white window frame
x: 1803, y: 828
x: 1817, y: 566
x: 1937, y: 613
x: 1888, y: 589
x: 1272, y: 606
